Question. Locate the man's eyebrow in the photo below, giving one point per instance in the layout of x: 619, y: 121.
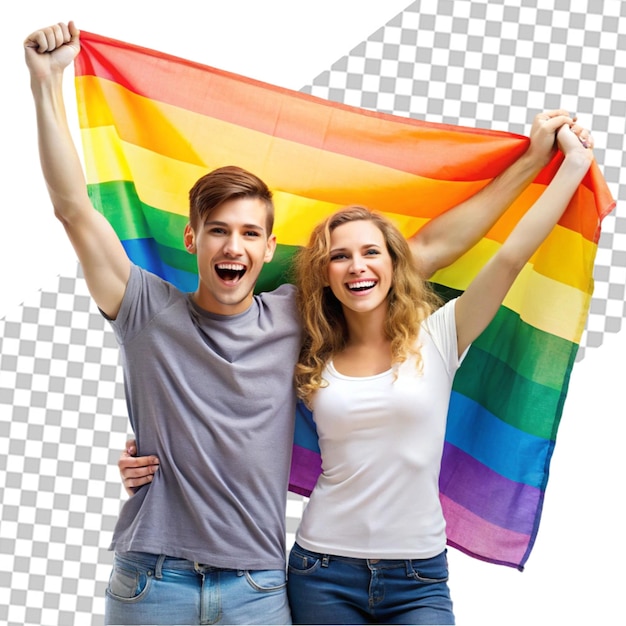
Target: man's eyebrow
x: 210, y: 222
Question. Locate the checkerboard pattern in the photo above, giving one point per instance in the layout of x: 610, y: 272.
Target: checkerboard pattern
x: 62, y: 412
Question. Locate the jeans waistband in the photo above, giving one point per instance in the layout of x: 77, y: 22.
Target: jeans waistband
x: 159, y: 562
x: 371, y: 563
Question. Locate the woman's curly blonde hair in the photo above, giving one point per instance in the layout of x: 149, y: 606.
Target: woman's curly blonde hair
x: 410, y: 300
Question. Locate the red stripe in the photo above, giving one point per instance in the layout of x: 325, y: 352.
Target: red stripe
x: 438, y: 151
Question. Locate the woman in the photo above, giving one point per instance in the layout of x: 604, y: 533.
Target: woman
x: 376, y: 368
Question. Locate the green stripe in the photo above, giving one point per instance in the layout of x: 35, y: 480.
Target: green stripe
x: 119, y: 203
x: 526, y: 405
x: 133, y: 219
x: 534, y: 354
x: 531, y: 352
x: 178, y: 259
x: 278, y: 272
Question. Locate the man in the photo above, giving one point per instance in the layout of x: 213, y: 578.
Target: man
x: 208, y: 375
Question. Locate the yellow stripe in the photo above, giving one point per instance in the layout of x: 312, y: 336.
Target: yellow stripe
x: 545, y: 302
x: 104, y: 155
x: 568, y: 257
x: 206, y: 143
x: 549, y: 305
x: 565, y: 256
x: 295, y: 215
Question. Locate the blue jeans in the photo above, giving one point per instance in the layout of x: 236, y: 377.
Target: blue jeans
x: 327, y: 589
x: 152, y: 589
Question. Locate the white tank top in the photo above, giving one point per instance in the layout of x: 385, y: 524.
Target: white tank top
x: 381, y: 440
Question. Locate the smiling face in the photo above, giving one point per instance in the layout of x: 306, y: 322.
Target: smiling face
x: 232, y: 246
x: 360, y: 269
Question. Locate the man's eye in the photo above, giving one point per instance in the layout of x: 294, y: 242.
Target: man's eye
x: 252, y: 233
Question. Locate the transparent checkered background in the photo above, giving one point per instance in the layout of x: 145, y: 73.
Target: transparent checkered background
x: 62, y: 413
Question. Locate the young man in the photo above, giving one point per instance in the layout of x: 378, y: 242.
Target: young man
x: 208, y: 375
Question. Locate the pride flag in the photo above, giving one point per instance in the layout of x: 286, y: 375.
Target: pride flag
x: 152, y: 124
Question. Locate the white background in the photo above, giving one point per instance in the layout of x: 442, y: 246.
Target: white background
x: 575, y: 574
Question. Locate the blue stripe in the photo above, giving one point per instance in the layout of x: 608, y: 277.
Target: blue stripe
x: 305, y: 434
x: 144, y: 252
x: 512, y: 453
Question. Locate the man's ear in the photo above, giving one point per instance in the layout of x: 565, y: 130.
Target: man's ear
x: 270, y: 248
x: 190, y: 239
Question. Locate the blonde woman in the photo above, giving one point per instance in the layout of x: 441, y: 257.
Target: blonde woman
x: 376, y: 368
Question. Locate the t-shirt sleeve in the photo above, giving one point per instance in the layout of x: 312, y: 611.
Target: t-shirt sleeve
x: 146, y: 294
x: 441, y: 326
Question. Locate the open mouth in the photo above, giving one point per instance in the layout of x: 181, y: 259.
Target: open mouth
x: 361, y: 285
x: 230, y: 272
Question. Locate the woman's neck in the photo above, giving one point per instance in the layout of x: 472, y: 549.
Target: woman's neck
x: 365, y: 328
x: 367, y: 351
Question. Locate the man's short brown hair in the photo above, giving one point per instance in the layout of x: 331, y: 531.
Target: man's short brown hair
x: 223, y: 184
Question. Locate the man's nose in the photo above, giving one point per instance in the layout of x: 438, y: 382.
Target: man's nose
x: 233, y: 245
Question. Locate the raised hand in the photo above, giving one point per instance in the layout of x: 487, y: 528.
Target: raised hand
x: 50, y: 50
x: 543, y: 144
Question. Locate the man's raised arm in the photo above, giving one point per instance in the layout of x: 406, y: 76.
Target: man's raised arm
x: 105, y: 264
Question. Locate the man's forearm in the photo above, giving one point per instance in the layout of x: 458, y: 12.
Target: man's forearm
x: 60, y: 163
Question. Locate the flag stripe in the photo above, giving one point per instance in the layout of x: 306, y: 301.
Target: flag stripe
x: 484, y: 492
x: 477, y: 537
x: 505, y: 447
x: 527, y: 406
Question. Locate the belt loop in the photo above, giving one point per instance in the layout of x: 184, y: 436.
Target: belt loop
x: 158, y: 568
x: 325, y: 560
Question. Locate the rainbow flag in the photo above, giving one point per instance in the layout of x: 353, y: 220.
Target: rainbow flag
x: 152, y: 124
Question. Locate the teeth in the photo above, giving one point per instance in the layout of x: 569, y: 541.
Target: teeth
x: 362, y: 284
x: 233, y: 267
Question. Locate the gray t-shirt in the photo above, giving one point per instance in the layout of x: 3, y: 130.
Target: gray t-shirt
x: 212, y: 396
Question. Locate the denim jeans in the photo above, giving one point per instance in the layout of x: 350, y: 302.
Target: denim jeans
x: 327, y: 589
x: 152, y: 589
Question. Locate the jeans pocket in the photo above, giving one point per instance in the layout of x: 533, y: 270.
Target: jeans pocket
x: 266, y: 579
x: 301, y: 562
x: 127, y: 584
x: 433, y: 570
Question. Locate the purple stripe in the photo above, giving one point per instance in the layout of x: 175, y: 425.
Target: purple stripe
x: 487, y: 494
x: 306, y: 466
